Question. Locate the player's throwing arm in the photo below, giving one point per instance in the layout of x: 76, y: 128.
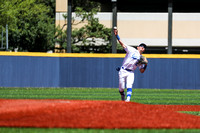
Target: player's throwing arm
x: 118, y: 38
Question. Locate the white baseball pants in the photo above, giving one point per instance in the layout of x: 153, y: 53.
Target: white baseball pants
x: 125, y: 78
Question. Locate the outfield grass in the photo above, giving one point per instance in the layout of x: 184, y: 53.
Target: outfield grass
x: 146, y: 96
x: 62, y: 130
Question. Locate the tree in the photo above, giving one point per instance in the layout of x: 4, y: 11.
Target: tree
x: 50, y: 5
x: 85, y: 38
x: 30, y: 27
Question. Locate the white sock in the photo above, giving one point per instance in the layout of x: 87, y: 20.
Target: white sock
x: 128, y: 98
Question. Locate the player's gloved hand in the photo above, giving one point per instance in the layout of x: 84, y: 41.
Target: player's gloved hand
x: 118, y: 68
x: 142, y: 60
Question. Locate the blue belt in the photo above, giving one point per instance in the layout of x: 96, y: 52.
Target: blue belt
x: 127, y: 69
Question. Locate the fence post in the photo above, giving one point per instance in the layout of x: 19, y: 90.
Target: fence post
x: 6, y: 37
x: 2, y: 38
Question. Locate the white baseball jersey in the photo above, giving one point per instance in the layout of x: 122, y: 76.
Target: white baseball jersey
x: 131, y: 59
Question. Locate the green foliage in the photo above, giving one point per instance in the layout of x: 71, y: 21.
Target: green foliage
x: 87, y: 35
x: 30, y: 27
x: 85, y: 39
x: 86, y: 5
x: 51, y: 5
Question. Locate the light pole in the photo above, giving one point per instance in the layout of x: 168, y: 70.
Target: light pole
x: 170, y: 16
x: 114, y: 23
x: 69, y: 26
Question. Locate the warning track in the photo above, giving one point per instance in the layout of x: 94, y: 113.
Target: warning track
x: 94, y: 114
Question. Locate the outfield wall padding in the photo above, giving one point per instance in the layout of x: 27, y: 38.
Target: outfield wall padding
x: 60, y: 71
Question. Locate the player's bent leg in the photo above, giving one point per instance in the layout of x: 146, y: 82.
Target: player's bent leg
x: 122, y: 87
x: 122, y: 94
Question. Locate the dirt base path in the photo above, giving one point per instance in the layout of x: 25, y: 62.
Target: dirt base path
x: 95, y: 114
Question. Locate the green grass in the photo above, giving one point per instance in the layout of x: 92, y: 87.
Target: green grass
x: 146, y: 96
x: 191, y: 112
x: 62, y: 130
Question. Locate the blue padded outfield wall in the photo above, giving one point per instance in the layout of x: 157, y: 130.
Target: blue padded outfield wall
x: 96, y: 70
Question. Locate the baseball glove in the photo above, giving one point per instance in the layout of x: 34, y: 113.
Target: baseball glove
x: 142, y: 60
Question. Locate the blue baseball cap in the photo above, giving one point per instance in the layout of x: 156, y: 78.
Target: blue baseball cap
x: 143, y: 45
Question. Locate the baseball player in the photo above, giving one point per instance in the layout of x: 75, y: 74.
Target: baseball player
x: 132, y: 60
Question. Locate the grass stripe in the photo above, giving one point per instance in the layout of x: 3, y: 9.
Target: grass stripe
x: 191, y: 112
x: 146, y: 96
x: 62, y: 130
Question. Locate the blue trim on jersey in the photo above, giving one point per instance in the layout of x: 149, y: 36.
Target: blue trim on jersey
x: 134, y: 56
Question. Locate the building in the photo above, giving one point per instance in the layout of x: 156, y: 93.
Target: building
x: 148, y: 22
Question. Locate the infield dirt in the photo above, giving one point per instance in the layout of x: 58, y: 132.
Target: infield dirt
x: 94, y: 114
